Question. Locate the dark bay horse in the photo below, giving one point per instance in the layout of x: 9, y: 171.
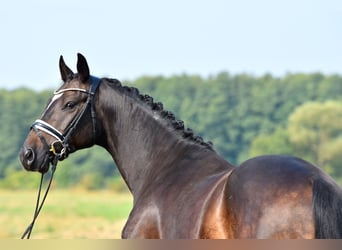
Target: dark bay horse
x: 181, y: 187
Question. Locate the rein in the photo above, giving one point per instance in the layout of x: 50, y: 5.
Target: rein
x: 62, y: 150
x: 39, y: 205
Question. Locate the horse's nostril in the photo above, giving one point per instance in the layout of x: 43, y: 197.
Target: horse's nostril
x: 29, y: 156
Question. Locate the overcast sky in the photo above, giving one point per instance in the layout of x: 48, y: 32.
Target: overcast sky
x: 127, y: 39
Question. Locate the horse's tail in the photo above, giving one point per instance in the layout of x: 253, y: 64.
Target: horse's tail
x: 327, y: 208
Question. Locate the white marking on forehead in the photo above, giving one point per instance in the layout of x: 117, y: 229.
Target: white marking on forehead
x: 54, y: 98
x: 59, y: 93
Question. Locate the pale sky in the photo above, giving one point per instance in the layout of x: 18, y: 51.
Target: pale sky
x: 126, y: 39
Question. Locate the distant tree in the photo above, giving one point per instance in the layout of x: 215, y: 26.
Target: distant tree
x: 315, y: 129
x: 274, y: 143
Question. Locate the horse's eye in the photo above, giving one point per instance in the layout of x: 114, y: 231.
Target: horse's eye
x: 70, y: 105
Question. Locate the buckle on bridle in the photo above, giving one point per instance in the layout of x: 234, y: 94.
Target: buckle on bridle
x: 59, y: 149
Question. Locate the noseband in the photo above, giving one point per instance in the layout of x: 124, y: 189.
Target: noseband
x: 60, y: 148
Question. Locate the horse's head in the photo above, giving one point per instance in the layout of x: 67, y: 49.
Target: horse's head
x: 67, y: 123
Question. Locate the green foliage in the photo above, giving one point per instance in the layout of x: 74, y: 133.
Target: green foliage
x: 315, y: 130
x: 242, y: 114
x: 117, y: 185
x: 20, y: 179
x: 92, y: 181
x: 275, y: 143
x: 85, y: 166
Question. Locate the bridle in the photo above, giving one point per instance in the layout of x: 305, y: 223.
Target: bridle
x: 60, y: 146
x: 59, y: 149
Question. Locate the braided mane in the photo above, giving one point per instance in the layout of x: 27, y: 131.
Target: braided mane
x: 168, y: 116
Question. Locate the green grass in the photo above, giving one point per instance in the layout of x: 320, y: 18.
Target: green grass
x: 67, y: 214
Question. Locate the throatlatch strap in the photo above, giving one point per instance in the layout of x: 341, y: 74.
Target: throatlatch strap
x: 95, y: 82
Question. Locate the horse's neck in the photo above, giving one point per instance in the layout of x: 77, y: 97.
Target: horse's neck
x: 141, y: 144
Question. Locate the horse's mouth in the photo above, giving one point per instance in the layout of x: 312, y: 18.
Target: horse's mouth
x: 45, y: 166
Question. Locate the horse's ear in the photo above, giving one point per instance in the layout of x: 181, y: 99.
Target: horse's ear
x: 66, y: 73
x: 82, y: 68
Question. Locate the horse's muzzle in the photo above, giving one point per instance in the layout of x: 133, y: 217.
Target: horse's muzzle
x: 30, y: 161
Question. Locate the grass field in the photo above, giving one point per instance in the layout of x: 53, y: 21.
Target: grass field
x: 67, y: 214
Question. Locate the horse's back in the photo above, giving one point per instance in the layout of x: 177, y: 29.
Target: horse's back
x: 271, y: 197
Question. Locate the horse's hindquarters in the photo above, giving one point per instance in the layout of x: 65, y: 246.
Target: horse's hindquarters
x: 271, y: 197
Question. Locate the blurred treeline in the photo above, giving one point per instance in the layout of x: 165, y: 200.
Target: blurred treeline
x: 243, y: 115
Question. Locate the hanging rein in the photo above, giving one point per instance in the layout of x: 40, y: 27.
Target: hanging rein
x: 59, y: 149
